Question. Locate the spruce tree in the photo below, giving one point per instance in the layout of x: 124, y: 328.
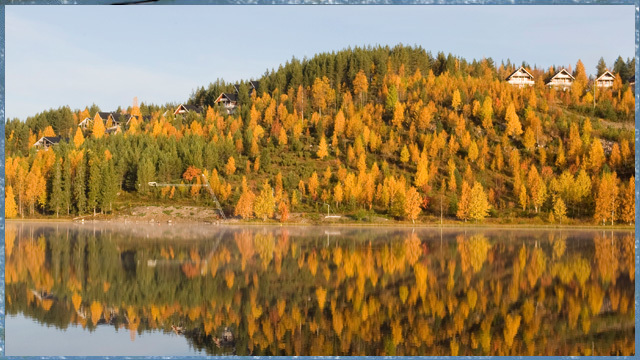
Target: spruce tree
x: 93, y: 183
x: 79, y: 187
x: 109, y: 186
x: 146, y: 173
x: 620, y: 68
x: 56, y: 197
x: 66, y: 185
x: 601, y: 67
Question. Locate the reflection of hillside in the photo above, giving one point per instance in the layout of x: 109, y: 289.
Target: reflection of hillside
x: 351, y: 291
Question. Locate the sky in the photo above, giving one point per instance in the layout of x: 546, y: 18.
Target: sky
x: 80, y: 55
x: 76, y: 341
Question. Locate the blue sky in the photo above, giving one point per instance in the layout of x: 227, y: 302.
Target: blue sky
x: 79, y: 55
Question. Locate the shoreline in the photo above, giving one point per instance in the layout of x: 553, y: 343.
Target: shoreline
x: 236, y: 222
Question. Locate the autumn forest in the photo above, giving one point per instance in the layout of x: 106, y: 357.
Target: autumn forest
x: 384, y: 132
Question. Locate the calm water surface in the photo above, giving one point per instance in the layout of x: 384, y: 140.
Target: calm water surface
x: 206, y: 290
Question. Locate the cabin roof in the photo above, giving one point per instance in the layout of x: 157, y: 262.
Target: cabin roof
x: 605, y: 74
x: 187, y: 108
x: 518, y: 70
x: 53, y: 139
x: 193, y: 108
x: 230, y: 97
x: 105, y: 115
x: 562, y: 71
x: 253, y: 85
x: 49, y: 139
x: 121, y: 117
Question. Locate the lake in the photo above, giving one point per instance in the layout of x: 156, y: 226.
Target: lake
x: 140, y: 289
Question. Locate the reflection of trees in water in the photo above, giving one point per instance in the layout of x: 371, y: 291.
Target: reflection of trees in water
x: 287, y: 291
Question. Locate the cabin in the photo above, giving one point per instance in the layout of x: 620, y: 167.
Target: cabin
x: 230, y: 101
x: 183, y: 109
x: 86, y: 123
x: 120, y: 119
x: 605, y: 80
x: 105, y: 116
x: 562, y: 79
x: 46, y: 142
x: 520, y: 78
x: 253, y: 86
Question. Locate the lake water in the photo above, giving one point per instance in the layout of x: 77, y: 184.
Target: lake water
x: 107, y: 289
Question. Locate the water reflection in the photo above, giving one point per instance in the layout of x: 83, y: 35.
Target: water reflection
x: 334, y: 291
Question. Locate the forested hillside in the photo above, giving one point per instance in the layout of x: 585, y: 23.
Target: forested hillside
x: 394, y: 132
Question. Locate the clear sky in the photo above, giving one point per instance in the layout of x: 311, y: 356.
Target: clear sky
x: 79, y: 55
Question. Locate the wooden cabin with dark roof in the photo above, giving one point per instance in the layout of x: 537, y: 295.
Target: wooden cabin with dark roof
x: 253, y: 86
x: 229, y: 101
x: 46, y: 142
x: 119, y: 119
x: 520, y: 78
x: 605, y: 80
x: 183, y: 109
x: 105, y: 116
x: 562, y: 79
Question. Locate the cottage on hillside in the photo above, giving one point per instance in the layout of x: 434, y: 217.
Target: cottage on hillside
x: 253, y: 86
x: 520, y: 78
x: 230, y: 101
x: 183, y: 109
x: 106, y: 116
x: 605, y: 80
x: 562, y: 79
x: 46, y: 142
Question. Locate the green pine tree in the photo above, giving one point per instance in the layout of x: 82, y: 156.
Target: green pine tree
x: 56, y: 195
x: 94, y: 183
x: 109, y: 186
x: 66, y: 186
x: 601, y: 67
x: 79, y: 188
x: 146, y: 173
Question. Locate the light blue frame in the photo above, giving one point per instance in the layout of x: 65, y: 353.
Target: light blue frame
x: 636, y: 3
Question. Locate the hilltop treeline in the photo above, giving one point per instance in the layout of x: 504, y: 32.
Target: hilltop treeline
x: 393, y: 131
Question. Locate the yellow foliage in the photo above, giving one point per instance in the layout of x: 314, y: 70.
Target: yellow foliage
x: 96, y: 311
x: 321, y: 295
